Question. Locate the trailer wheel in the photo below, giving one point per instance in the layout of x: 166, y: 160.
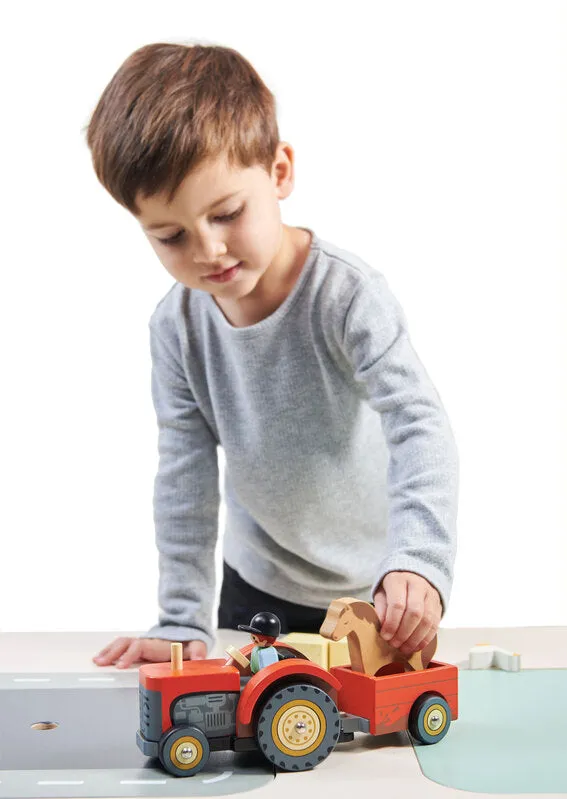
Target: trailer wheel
x: 183, y: 751
x: 429, y: 718
x: 298, y: 727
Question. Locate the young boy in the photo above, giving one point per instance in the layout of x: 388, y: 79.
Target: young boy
x: 286, y: 351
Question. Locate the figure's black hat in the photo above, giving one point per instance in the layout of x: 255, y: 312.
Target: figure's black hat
x: 264, y: 623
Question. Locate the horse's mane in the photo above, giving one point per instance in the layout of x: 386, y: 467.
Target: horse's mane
x: 364, y: 611
x: 361, y: 609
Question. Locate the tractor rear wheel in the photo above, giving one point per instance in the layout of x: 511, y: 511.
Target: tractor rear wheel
x: 298, y: 727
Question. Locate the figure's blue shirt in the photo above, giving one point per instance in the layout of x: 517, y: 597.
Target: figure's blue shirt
x: 262, y: 656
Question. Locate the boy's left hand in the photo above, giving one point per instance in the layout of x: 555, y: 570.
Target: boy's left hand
x: 409, y: 609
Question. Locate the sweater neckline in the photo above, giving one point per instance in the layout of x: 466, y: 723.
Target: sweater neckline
x: 274, y: 318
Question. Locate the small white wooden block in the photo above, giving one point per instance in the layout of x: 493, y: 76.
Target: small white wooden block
x: 486, y: 656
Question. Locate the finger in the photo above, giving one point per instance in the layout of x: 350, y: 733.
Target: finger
x: 396, y: 595
x: 413, y: 643
x: 156, y: 650
x: 426, y: 631
x: 132, y: 654
x: 434, y: 612
x: 413, y: 614
x: 112, y: 651
x: 427, y: 640
x: 197, y: 650
x: 380, y: 605
x: 429, y: 637
x: 104, y: 652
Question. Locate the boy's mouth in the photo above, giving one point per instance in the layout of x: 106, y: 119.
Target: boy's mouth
x: 224, y: 277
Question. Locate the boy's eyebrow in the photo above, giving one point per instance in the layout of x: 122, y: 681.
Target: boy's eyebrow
x: 216, y: 202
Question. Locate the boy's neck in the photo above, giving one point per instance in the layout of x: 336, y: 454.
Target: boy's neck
x: 276, y: 283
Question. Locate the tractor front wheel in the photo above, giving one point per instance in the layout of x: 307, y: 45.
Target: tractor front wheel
x: 184, y: 751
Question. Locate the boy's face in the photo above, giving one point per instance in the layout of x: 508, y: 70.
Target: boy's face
x: 245, y: 229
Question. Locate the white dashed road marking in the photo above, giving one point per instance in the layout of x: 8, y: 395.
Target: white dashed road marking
x: 224, y: 776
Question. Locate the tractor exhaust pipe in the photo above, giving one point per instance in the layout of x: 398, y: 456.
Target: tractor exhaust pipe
x: 176, y: 657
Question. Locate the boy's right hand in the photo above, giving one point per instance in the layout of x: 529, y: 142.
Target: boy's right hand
x: 125, y: 651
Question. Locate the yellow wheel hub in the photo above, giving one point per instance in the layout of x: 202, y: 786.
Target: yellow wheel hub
x: 298, y: 727
x: 186, y: 752
x: 435, y: 720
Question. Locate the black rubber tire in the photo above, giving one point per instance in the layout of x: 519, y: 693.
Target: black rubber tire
x: 194, y: 740
x: 429, y: 718
x: 282, y: 716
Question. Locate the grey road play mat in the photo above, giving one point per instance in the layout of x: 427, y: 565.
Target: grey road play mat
x: 74, y: 735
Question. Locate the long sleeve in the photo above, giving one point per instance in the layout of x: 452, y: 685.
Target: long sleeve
x: 423, y: 462
x: 186, y: 500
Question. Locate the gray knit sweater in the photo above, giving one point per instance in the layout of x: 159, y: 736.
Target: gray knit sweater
x: 341, y: 464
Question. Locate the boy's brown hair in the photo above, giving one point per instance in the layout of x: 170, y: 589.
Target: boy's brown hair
x: 170, y: 107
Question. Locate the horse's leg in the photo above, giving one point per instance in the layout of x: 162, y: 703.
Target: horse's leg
x: 376, y: 652
x: 415, y: 661
x: 428, y: 652
x: 366, y: 655
x: 355, y: 652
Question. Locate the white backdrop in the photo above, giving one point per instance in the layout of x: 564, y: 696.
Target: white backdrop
x: 429, y: 140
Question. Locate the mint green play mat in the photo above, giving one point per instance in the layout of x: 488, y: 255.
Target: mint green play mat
x: 510, y: 737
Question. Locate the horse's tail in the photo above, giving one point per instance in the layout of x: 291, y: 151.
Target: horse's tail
x: 428, y: 652
x: 421, y: 660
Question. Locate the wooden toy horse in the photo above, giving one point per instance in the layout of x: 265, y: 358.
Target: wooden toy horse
x: 368, y: 651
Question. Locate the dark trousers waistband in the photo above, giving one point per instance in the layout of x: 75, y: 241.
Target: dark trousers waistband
x: 239, y: 601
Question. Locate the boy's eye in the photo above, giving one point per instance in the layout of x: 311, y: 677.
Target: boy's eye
x: 172, y: 239
x: 177, y: 237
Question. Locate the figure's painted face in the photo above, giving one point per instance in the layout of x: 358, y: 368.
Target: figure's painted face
x: 262, y: 640
x: 223, y: 248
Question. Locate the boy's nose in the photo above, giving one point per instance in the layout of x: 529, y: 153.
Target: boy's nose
x: 208, y: 252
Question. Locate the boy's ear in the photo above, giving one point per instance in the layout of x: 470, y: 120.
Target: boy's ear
x: 283, y: 172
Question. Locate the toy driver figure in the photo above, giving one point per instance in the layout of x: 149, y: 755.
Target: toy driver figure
x: 264, y: 628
